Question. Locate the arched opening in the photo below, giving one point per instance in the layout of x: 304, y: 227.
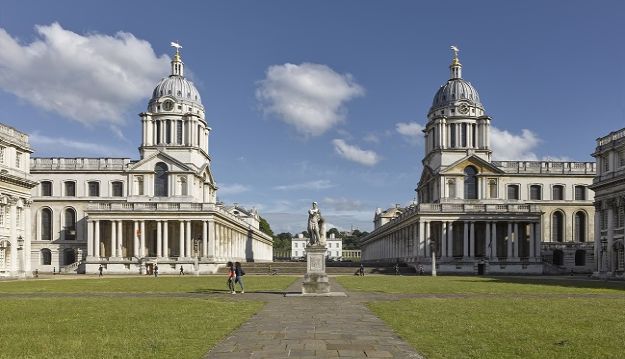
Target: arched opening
x: 160, y: 180
x: 557, y: 227
x: 46, y: 257
x: 470, y: 183
x: 558, y: 257
x: 580, y: 226
x: 580, y: 257
x: 70, y: 224
x: 69, y: 256
x: 46, y: 224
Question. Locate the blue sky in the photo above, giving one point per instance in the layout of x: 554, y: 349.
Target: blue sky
x: 314, y: 100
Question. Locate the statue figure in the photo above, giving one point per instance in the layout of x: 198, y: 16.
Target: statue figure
x: 316, y: 228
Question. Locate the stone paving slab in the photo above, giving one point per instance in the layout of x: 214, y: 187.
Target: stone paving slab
x: 313, y: 327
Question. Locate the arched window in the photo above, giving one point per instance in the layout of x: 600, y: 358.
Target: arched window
x: 557, y: 227
x: 558, y: 257
x: 470, y: 183
x: 46, y: 257
x: 580, y: 257
x: 70, y: 224
x: 46, y: 224
x: 160, y: 180
x: 580, y: 226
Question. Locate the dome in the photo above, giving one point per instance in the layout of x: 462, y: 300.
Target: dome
x: 179, y: 88
x: 455, y: 90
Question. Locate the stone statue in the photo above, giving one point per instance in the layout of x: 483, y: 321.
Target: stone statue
x: 316, y: 227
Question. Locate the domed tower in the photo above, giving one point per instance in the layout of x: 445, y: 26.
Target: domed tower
x: 174, y: 122
x: 457, y: 125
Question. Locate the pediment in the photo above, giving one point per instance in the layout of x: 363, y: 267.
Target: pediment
x: 147, y: 164
x: 483, y: 167
x: 426, y: 175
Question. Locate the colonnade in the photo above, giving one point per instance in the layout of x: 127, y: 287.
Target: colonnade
x: 464, y: 134
x: 509, y: 240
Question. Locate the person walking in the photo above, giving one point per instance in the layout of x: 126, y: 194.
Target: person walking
x: 156, y: 270
x: 181, y: 270
x: 238, y: 275
x: 100, y: 268
x: 230, y: 268
x: 361, y: 271
x: 397, y: 269
x: 420, y: 269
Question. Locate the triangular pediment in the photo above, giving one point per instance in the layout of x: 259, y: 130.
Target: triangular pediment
x: 483, y: 166
x: 147, y: 164
x: 426, y: 175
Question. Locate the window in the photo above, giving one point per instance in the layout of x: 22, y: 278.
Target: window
x: 168, y: 131
x: 69, y: 256
x: 604, y: 219
x: 580, y: 257
x: 580, y: 226
x: 492, y: 188
x: 620, y: 217
x: 18, y: 159
x: 580, y: 193
x: 621, y: 158
x: 139, y: 185
x: 452, y: 135
x: 557, y: 227
x: 70, y: 189
x: 46, y: 224
x: 464, y: 135
x: 46, y: 257
x: 536, y: 192
x: 183, y: 186
x: 513, y: 191
x: 199, y: 135
x: 451, y: 185
x: 558, y: 193
x: 605, y: 162
x: 2, y: 154
x: 117, y: 189
x: 179, y: 132
x: 46, y: 188
x: 470, y: 182
x: 94, y: 189
x: 158, y: 132
x: 1, y: 217
x: 160, y: 180
x: 70, y: 224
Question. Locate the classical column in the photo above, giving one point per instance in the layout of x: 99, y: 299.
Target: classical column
x: 516, y: 240
x: 113, y: 239
x: 465, y: 240
x: 142, y: 252
x: 488, y: 246
x: 610, y: 254
x: 539, y: 238
x: 204, y: 239
x: 493, y: 234
x: 532, y: 227
x: 444, y: 232
x: 181, y: 240
x: 450, y: 240
x: 509, y: 240
x: 120, y: 238
x: 90, y: 244
x: 211, y: 239
x: 96, y: 246
x: 427, y: 239
x: 598, y: 237
x: 135, y: 239
x: 159, y: 239
x: 472, y: 240
x: 165, y: 239
x: 188, y: 249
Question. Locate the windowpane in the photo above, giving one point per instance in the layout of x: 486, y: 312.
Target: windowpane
x: 70, y: 224
x: 140, y: 185
x: 179, y: 132
x: 535, y: 192
x: 513, y: 192
x: 46, y: 188
x: 580, y: 193
x: 94, y: 189
x: 558, y: 193
x: 46, y: 257
x: 46, y: 224
x: 70, y: 189
x: 580, y: 227
x: 492, y: 188
x: 160, y: 180
x: 118, y: 189
x: 470, y: 183
x: 557, y: 227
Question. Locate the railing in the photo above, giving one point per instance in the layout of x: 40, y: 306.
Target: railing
x: 612, y: 136
x: 609, y: 175
x: 471, y: 208
x: 546, y: 167
x: 562, y: 245
x: 14, y: 134
x: 70, y: 267
x: 111, y: 164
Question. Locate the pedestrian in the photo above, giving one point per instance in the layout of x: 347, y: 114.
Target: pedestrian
x: 156, y: 270
x: 100, y: 268
x: 230, y: 268
x: 181, y: 270
x: 37, y: 273
x: 361, y: 271
x: 420, y: 269
x: 397, y: 269
x: 238, y: 275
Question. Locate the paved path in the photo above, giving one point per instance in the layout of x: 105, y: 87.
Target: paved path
x: 313, y: 327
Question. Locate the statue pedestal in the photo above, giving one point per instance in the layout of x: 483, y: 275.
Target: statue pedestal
x: 316, y: 279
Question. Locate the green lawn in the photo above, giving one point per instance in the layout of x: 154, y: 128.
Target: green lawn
x: 117, y: 327
x: 144, y: 284
x: 504, y: 317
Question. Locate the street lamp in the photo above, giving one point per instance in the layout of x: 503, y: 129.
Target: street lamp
x: 433, y: 251
x: 20, y: 256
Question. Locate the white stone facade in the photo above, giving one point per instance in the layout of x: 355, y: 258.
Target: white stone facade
x: 15, y: 203
x: 131, y: 215
x: 609, y: 187
x: 483, y: 216
x: 334, y: 247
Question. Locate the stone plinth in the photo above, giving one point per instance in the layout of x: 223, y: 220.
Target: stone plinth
x: 316, y: 279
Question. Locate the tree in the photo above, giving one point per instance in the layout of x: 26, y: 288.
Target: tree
x: 336, y: 232
x: 282, y: 241
x: 265, y: 227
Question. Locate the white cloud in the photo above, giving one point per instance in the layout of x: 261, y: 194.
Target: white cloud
x: 47, y: 144
x: 343, y: 204
x: 412, y: 131
x: 310, y: 97
x: 354, y: 153
x: 90, y: 78
x: 234, y: 188
x: 311, y: 185
x: 508, y: 146
x: 372, y: 138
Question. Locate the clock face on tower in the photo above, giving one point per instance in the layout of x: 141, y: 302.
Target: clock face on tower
x: 463, y: 108
x: 168, y: 105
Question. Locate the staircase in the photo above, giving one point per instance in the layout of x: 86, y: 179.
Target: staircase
x: 70, y: 268
x: 299, y: 268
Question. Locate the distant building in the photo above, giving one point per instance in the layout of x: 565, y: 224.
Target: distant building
x: 334, y: 247
x: 609, y: 187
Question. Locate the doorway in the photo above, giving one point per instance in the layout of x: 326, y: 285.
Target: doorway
x: 481, y: 268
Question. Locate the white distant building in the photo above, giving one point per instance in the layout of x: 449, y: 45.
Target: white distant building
x: 334, y: 247
x: 129, y: 215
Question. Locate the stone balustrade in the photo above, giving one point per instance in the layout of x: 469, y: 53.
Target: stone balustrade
x: 88, y: 164
x: 546, y: 167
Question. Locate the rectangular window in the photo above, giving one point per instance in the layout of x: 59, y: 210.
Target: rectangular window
x: 558, y: 193
x: 118, y: 189
x: 452, y: 136
x: 464, y: 135
x: 70, y: 189
x: 492, y: 188
x: 604, y: 219
x: 621, y: 158
x: 179, y: 132
x: 18, y: 159
x: 168, y: 131
x: 580, y: 193
x: 605, y: 161
x: 46, y: 188
x: 2, y: 154
x: 513, y: 191
x: 535, y: 193
x: 1, y: 217
x: 620, y: 217
x: 94, y: 189
x: 140, y: 185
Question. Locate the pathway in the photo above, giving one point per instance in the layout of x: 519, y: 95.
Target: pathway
x: 313, y: 327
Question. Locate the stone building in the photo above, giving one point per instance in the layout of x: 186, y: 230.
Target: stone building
x: 609, y: 187
x: 334, y: 247
x: 130, y: 215
x: 483, y: 216
x: 15, y: 202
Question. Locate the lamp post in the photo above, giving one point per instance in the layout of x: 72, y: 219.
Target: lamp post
x: 20, y: 256
x: 433, y: 251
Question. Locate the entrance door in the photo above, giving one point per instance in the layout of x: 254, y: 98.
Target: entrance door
x: 480, y: 268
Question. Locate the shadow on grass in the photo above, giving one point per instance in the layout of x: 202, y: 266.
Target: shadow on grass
x: 569, y: 282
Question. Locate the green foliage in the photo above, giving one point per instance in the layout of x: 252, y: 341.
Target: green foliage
x: 282, y: 241
x: 336, y: 232
x: 265, y: 227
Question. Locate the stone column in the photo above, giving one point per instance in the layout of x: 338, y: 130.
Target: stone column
x: 427, y: 239
x: 539, y: 238
x: 204, y: 239
x: 211, y: 239
x: 96, y: 246
x: 444, y: 232
x: 598, y: 238
x: 421, y: 242
x: 120, y: 238
x: 90, y: 244
x: 610, y: 254
x: 181, y: 240
x: 509, y: 241
x: 135, y: 239
x: 488, y: 245
x: 516, y: 240
x: 113, y: 239
x: 465, y: 239
x: 188, y: 249
x: 159, y: 239
x: 450, y: 240
x: 13, y: 239
x: 165, y: 239
x: 532, y: 227
x: 472, y: 240
x: 142, y: 240
x: 493, y: 234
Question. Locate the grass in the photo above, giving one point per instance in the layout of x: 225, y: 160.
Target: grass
x: 117, y: 327
x: 144, y: 284
x: 502, y: 317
